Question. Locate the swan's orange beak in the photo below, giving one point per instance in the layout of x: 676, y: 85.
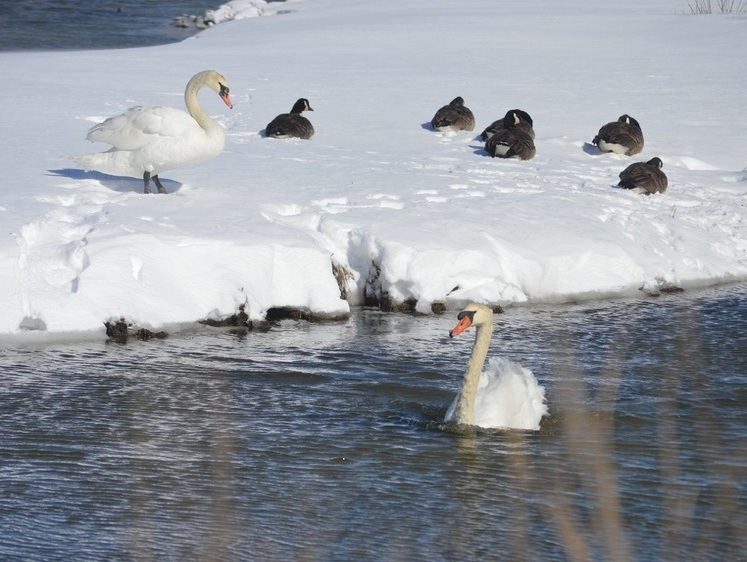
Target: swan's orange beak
x: 464, y: 323
x: 223, y: 93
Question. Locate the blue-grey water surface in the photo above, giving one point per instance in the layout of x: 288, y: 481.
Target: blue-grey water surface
x: 98, y: 24
x: 324, y: 441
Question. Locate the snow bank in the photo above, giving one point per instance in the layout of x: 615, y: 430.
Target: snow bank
x: 375, y: 201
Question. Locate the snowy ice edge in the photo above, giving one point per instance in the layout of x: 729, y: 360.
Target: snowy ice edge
x: 92, y: 251
x: 233, y: 10
x: 320, y: 263
x: 258, y: 279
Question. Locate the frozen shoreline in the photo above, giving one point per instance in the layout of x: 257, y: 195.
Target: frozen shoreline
x: 411, y: 215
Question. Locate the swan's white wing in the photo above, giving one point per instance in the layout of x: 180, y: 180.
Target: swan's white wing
x: 144, y: 126
x: 450, y: 412
x: 509, y: 395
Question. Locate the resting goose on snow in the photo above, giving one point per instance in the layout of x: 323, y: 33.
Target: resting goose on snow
x: 453, y: 117
x: 513, y: 115
x: 293, y: 124
x: 515, y: 140
x: 644, y: 177
x: 623, y: 136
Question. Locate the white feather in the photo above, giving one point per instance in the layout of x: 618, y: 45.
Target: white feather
x: 158, y: 138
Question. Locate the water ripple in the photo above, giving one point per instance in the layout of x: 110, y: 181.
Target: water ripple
x: 326, y: 441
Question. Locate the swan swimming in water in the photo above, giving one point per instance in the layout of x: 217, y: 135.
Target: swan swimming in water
x: 505, y: 394
x: 149, y: 140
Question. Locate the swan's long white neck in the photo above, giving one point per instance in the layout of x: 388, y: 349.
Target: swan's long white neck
x: 464, y: 412
x: 195, y: 109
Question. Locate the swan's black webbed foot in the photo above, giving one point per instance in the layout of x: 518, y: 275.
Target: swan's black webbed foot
x: 161, y: 188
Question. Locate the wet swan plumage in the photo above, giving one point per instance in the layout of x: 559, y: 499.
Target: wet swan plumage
x: 503, y: 395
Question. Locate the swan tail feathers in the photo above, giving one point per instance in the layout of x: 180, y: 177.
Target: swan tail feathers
x: 113, y: 163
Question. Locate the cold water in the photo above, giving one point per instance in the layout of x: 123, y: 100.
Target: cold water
x: 325, y: 442
x: 101, y: 24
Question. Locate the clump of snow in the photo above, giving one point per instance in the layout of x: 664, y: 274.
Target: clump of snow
x: 378, y: 207
x: 236, y: 10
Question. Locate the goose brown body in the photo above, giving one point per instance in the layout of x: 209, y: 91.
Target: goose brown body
x: 293, y: 124
x: 454, y: 117
x: 511, y: 117
x: 646, y: 177
x: 515, y: 140
x: 623, y: 136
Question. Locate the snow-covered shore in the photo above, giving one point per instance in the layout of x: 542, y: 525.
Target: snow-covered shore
x: 408, y: 214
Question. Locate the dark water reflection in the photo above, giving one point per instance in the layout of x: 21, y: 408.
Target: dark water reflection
x: 324, y: 442
x: 106, y: 24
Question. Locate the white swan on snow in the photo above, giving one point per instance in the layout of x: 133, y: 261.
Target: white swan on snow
x: 505, y: 394
x: 149, y: 140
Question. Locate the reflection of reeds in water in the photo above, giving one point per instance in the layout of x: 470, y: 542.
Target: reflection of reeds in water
x: 634, y: 463
x: 157, y: 481
x: 590, y: 468
x: 699, y: 515
x: 710, y: 507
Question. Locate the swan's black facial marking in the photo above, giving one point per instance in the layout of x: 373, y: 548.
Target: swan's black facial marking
x: 466, y: 313
x: 224, y: 95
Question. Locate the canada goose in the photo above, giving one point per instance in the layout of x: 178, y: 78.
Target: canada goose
x: 453, y: 117
x: 644, y: 177
x: 500, y: 124
x: 515, y: 140
x: 623, y: 136
x: 292, y: 124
